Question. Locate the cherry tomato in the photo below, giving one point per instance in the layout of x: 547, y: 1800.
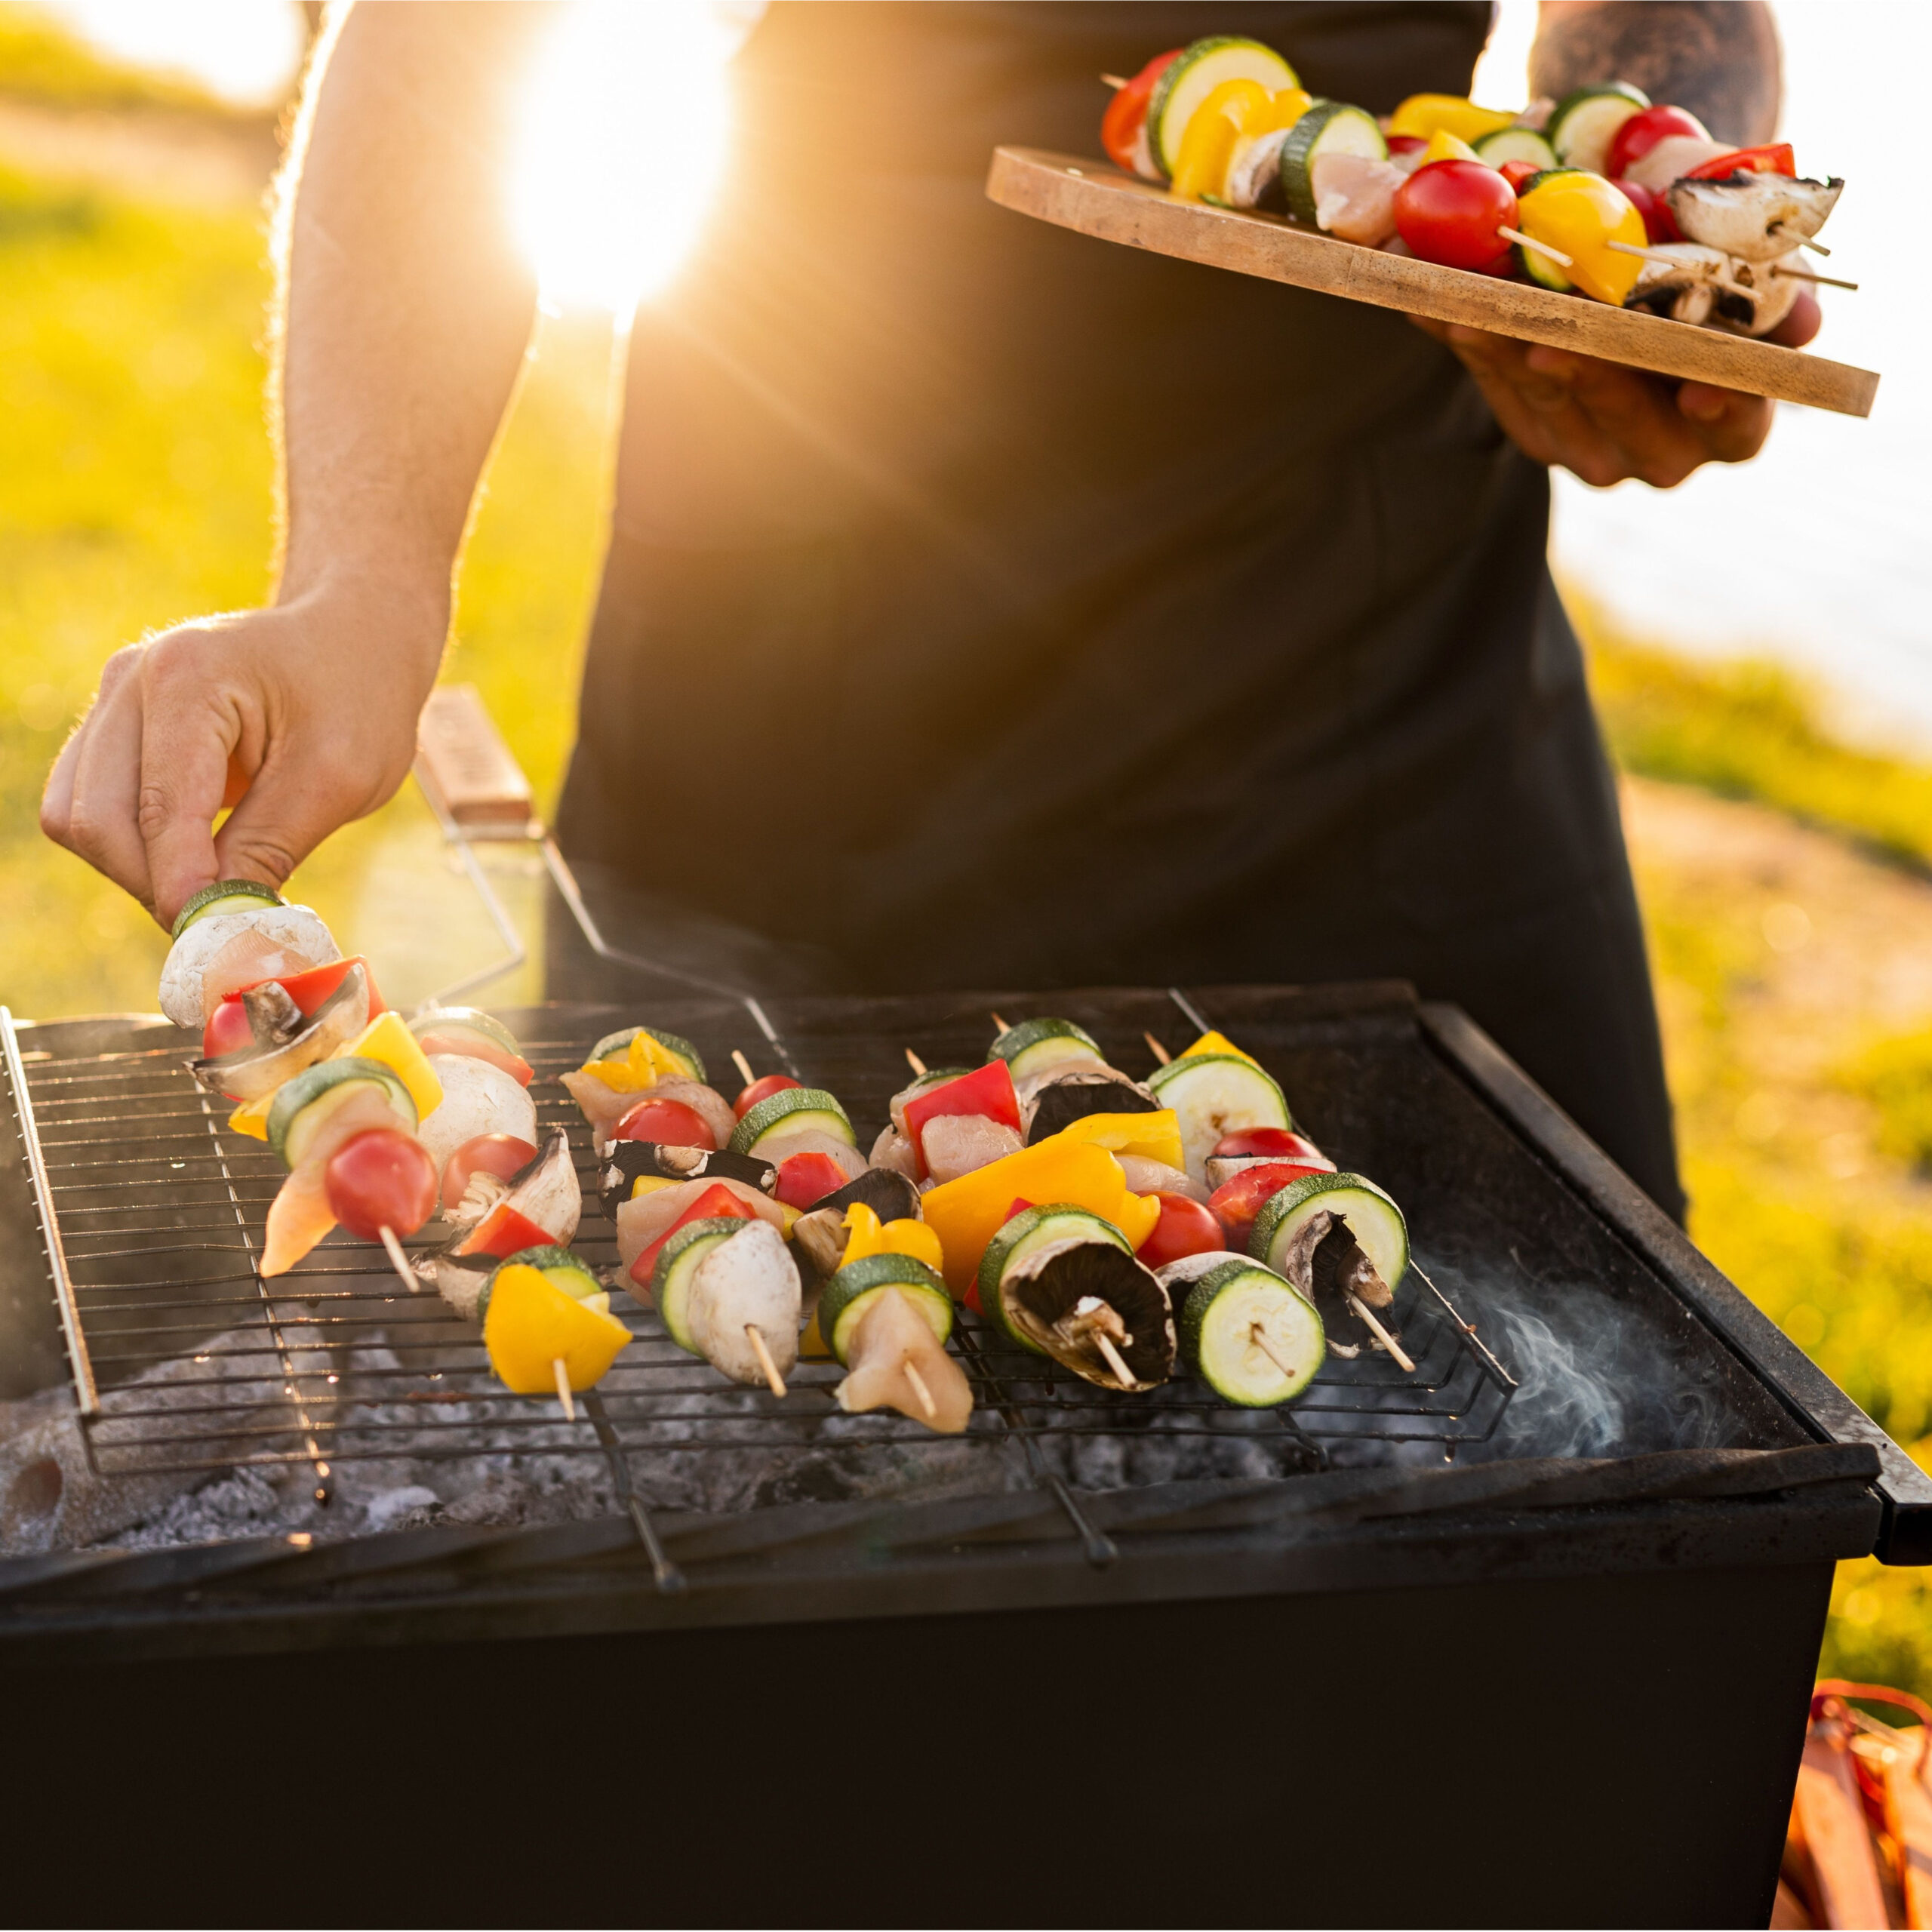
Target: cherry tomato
x: 1449, y: 213
x: 805, y: 1179
x: 1777, y: 159
x: 382, y: 1179
x: 1277, y: 1141
x: 228, y: 1031
x: 762, y: 1090
x: 502, y: 1154
x: 1642, y: 132
x: 1185, y: 1227
x: 1659, y: 224
x: 1517, y: 172
x: 1120, y: 126
x: 1235, y: 1205
x: 669, y: 1123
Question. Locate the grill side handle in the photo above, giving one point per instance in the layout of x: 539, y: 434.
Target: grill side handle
x: 1810, y: 1396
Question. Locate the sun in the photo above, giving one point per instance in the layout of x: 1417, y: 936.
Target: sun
x: 625, y: 133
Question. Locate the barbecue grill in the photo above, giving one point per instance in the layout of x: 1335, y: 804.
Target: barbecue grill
x: 1525, y: 1636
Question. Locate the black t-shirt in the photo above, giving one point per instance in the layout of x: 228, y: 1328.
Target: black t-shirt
x: 988, y: 605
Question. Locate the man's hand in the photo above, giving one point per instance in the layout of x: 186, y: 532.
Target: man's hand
x: 1606, y: 422
x: 302, y: 717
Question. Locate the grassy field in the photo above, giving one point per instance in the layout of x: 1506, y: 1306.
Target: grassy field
x: 136, y: 490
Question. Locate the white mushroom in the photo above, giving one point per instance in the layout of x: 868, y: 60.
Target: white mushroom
x: 1754, y: 217
x: 748, y: 1281
x: 478, y: 1098
x: 286, y: 939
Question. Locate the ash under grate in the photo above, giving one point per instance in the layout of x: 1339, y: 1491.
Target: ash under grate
x: 188, y: 1361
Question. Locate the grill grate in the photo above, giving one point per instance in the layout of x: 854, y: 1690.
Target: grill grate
x: 186, y: 1359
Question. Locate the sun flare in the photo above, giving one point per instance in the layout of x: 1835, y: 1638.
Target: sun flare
x: 624, y: 137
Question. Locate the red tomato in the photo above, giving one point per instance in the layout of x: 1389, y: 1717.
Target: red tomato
x: 1235, y: 1205
x: 986, y: 1090
x: 1517, y: 172
x: 1277, y: 1141
x: 228, y: 1031
x: 669, y: 1123
x: 1659, y: 224
x: 502, y: 1154
x: 762, y: 1090
x: 382, y: 1179
x: 1185, y: 1227
x: 1643, y: 131
x: 504, y: 1231
x: 804, y: 1180
x: 1449, y: 213
x: 716, y: 1203
x: 1777, y: 159
x: 1120, y: 126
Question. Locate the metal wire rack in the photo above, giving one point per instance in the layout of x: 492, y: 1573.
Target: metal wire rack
x: 186, y: 1358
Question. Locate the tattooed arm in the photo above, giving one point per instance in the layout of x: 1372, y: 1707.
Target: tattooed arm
x: 1719, y: 58
x: 1602, y: 421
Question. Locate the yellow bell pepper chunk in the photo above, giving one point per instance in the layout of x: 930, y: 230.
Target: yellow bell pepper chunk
x: 643, y: 1063
x: 1212, y: 131
x: 1212, y: 1042
x: 1581, y: 214
x: 1153, y: 1137
x: 650, y: 1184
x: 966, y: 1213
x: 532, y: 1324
x: 870, y: 1235
x: 251, y: 1117
x: 387, y: 1039
x: 1421, y: 114
x: 1443, y: 145
x: 1284, y: 111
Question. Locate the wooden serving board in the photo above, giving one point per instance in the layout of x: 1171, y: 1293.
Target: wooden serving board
x: 1096, y: 199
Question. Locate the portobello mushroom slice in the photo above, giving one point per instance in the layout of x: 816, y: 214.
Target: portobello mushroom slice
x: 820, y: 1237
x: 631, y: 1161
x: 1080, y: 1301
x: 1081, y: 1090
x: 284, y: 1042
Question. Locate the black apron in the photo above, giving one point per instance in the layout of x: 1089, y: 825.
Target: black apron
x: 988, y: 605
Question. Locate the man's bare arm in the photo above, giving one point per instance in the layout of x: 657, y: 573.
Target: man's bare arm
x: 401, y: 325
x: 1603, y: 422
x: 1718, y: 58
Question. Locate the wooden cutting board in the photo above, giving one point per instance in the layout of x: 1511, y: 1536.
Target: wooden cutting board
x: 1095, y: 199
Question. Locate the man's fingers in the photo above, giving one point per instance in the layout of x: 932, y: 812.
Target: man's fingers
x: 1804, y: 322
x: 189, y: 728
x: 101, y: 825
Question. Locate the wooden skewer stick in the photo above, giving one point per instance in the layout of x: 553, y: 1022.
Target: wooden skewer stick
x: 764, y: 1360
x: 1805, y: 275
x: 1113, y: 81
x: 1644, y: 254
x: 913, y: 1060
x: 1380, y: 1333
x: 1556, y: 255
x: 1262, y: 1342
x: 1816, y: 247
x: 563, y: 1388
x: 744, y: 1067
x: 1116, y: 1360
x: 1159, y: 1052
x: 398, y: 1260
x: 1001, y: 1024
x: 919, y: 1389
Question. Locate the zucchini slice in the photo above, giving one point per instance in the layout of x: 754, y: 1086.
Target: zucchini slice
x: 225, y: 895
x: 1329, y: 126
x: 1023, y: 1235
x: 677, y: 1266
x: 468, y: 1019
x: 302, y: 1102
x: 1250, y: 1336
x: 1202, y: 68
x: 673, y: 1043
x: 1584, y: 122
x: 1034, y: 1044
x: 1368, y: 1213
x: 1214, y: 1094
x: 558, y: 1267
x: 854, y: 1289
x: 796, y: 1110
x: 1515, y: 144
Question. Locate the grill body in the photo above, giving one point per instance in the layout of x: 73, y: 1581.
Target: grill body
x: 1520, y: 1656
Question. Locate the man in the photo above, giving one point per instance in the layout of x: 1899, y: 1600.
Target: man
x: 984, y: 604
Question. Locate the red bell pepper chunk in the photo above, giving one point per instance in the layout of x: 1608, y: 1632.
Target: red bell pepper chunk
x: 308, y: 990
x: 1120, y: 126
x: 717, y: 1202
x: 1774, y: 158
x: 805, y: 1179
x: 503, y: 1231
x: 987, y: 1090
